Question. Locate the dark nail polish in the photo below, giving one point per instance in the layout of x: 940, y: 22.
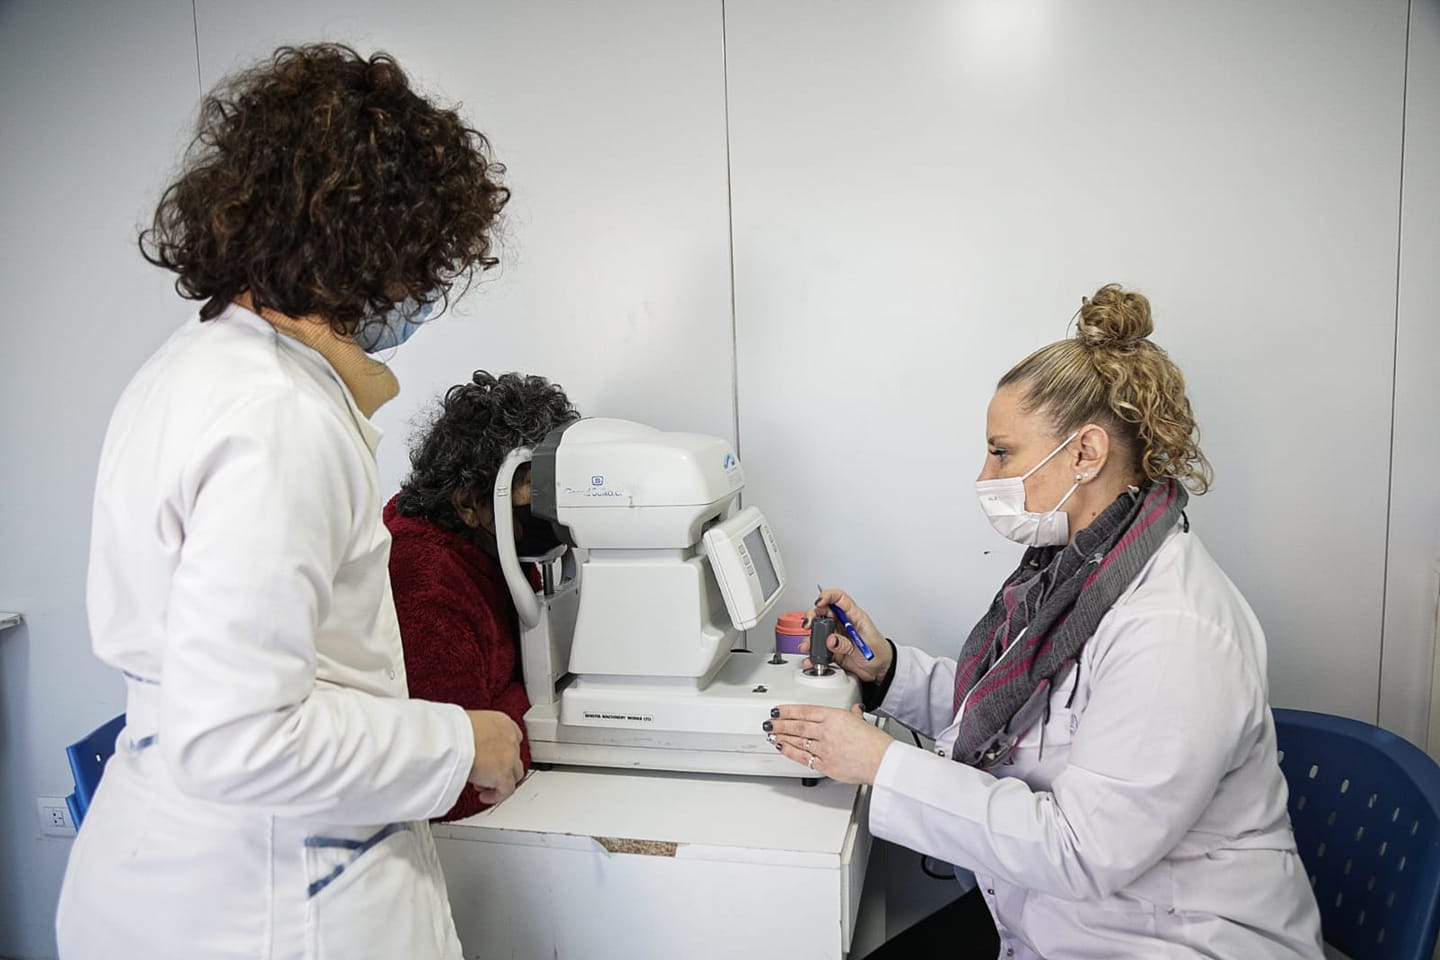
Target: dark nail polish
x: 775, y: 713
x: 779, y: 746
x: 767, y: 726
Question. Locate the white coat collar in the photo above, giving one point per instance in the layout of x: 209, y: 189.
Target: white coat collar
x: 378, y: 385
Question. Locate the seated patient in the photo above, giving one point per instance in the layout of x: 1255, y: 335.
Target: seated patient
x: 457, y: 621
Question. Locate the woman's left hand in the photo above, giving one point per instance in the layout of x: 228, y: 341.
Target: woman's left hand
x: 835, y: 743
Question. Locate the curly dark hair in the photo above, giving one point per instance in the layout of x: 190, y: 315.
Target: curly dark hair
x: 321, y: 184
x: 470, y: 433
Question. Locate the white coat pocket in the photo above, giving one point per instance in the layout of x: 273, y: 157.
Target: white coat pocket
x: 378, y: 894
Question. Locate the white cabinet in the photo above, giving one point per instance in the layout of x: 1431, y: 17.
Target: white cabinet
x: 600, y: 864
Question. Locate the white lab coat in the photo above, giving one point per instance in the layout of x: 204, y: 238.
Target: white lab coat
x: 268, y: 797
x: 1148, y: 817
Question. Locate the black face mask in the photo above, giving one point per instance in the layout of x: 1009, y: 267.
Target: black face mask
x: 536, y: 537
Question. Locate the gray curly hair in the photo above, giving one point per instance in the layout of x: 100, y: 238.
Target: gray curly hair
x: 470, y: 432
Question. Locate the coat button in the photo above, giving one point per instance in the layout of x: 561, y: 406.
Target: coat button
x: 390, y: 672
x: 939, y: 753
x: 989, y: 891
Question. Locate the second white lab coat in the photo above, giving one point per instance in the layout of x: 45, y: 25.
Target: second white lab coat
x: 268, y: 797
x: 1147, y: 817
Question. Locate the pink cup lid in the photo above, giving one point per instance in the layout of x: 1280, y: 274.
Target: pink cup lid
x: 792, y: 623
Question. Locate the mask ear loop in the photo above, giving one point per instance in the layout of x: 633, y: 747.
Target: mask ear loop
x: 1048, y: 457
x: 1079, y: 478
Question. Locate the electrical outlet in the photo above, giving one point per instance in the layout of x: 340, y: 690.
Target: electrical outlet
x: 54, y: 817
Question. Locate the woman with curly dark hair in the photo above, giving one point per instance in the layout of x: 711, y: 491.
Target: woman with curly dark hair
x: 457, y: 621
x: 269, y: 794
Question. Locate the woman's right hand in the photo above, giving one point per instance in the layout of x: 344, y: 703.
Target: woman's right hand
x: 847, y: 657
x: 497, y: 768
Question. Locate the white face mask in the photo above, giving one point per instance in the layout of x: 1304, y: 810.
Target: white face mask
x: 1003, y: 501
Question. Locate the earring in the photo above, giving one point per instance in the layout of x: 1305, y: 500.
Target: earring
x: 1081, y: 477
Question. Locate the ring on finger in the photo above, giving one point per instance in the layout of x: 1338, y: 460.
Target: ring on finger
x: 812, y: 761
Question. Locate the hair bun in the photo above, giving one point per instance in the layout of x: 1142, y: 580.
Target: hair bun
x: 1114, y: 317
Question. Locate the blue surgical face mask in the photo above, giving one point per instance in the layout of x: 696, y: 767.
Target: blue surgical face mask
x: 394, y: 328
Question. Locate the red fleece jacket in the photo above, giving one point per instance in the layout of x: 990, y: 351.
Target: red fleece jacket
x: 458, y: 627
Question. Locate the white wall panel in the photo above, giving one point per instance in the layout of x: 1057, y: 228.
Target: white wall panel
x: 922, y: 192
x: 1415, y: 463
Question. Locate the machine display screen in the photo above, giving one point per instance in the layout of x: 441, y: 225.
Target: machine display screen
x: 764, y: 568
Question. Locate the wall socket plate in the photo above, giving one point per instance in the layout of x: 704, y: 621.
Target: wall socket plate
x: 54, y: 817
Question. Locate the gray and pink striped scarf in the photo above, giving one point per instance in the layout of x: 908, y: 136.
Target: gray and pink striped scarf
x: 1041, y: 619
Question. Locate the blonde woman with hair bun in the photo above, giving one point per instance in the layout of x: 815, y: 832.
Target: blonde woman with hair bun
x: 1104, y: 767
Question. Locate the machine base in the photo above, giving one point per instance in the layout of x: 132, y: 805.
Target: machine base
x: 712, y: 730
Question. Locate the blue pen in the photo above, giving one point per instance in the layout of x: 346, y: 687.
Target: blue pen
x: 860, y: 645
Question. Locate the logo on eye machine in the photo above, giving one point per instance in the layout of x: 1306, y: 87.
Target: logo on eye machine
x: 597, y: 481
x: 730, y: 462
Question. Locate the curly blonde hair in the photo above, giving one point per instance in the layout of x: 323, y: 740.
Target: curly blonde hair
x: 1111, y: 374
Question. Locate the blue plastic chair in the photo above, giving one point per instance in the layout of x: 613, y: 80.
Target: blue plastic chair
x: 1365, y: 805
x: 87, y: 763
